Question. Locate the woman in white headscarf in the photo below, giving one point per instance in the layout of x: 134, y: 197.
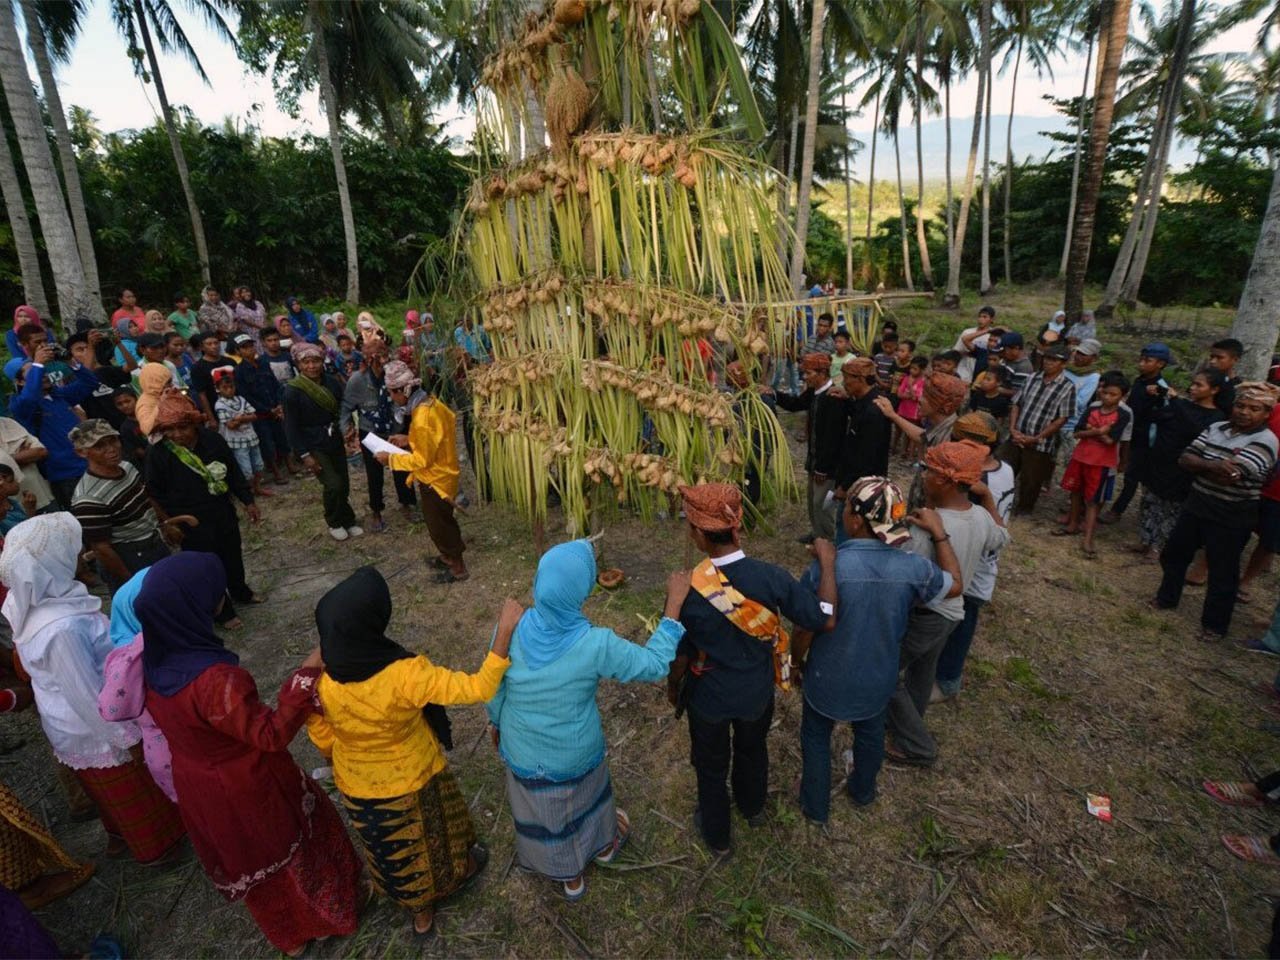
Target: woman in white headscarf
x: 62, y: 640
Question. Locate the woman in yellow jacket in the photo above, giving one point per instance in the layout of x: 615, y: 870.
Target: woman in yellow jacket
x: 432, y: 460
x: 402, y: 800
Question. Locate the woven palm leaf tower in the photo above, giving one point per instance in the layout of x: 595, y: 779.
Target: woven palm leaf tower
x: 621, y: 266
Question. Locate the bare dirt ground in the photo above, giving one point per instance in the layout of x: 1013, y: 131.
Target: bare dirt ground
x: 1073, y: 687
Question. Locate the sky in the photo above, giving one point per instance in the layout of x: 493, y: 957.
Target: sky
x: 100, y: 78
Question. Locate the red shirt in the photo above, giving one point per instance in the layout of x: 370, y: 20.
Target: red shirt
x: 1094, y: 450
x: 1271, y: 489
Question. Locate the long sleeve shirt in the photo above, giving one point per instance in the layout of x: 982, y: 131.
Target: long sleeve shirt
x: 375, y: 731
x: 828, y: 423
x: 50, y: 417
x: 309, y: 427
x: 865, y: 450
x: 433, y: 454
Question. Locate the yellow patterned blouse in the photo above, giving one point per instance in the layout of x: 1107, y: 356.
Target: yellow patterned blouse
x: 375, y: 731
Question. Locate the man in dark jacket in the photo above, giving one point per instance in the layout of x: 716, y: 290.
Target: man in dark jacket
x: 258, y: 385
x: 865, y: 451
x: 828, y: 420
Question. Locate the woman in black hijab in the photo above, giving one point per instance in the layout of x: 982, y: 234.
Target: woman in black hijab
x: 402, y: 799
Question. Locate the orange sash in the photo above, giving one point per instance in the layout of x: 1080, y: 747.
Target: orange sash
x: 752, y: 618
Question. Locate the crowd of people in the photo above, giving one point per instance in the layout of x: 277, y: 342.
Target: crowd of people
x: 129, y: 458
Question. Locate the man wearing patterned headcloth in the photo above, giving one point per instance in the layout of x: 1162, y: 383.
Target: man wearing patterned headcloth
x: 828, y: 421
x: 735, y: 650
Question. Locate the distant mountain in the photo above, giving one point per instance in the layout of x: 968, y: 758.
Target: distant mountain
x: 1028, y: 142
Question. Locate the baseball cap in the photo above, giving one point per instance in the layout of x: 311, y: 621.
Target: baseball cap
x: 218, y: 374
x: 1157, y: 351
x: 1057, y: 351
x: 87, y: 433
x: 1011, y: 339
x: 241, y: 340
x: 880, y: 502
x: 150, y: 340
x: 1089, y: 347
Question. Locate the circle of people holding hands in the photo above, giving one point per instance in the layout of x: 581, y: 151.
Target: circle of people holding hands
x: 152, y: 718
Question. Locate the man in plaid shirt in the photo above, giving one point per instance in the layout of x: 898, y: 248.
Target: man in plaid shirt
x: 1046, y: 401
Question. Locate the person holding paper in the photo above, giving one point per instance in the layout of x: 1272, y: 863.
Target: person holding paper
x: 433, y: 462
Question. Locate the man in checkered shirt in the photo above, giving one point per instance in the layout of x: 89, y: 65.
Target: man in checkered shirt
x: 1045, y: 403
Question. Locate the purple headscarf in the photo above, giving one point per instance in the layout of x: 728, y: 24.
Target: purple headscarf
x: 175, y: 607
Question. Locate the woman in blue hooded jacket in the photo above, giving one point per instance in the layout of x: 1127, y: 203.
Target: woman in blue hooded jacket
x: 303, y: 321
x: 546, y: 723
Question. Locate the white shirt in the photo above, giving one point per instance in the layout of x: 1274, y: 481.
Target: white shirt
x: 982, y: 585
x: 65, y: 660
x: 728, y: 558
x: 964, y: 369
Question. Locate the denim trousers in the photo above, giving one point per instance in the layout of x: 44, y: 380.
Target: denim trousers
x: 815, y: 745
x: 951, y: 662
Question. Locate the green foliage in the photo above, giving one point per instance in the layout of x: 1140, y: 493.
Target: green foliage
x: 824, y: 247
x: 271, y: 212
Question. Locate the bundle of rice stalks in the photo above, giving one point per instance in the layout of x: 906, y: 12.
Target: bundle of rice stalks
x: 568, y: 103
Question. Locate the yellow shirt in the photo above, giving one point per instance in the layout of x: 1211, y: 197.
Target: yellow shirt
x: 433, y: 455
x: 375, y: 731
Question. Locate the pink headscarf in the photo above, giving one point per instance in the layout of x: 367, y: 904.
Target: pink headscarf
x: 25, y: 313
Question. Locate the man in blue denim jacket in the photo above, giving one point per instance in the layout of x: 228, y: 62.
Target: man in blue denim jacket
x: 852, y: 671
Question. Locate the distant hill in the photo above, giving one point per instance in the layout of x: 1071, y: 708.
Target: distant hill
x: 1027, y: 142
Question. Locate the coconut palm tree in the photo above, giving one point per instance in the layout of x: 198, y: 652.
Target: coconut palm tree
x: 816, y: 23
x: 15, y: 206
x: 1115, y: 30
x: 146, y: 25
x: 33, y: 143
x: 952, y: 53
x: 1088, y: 27
x: 952, y: 297
x: 1255, y: 321
x: 51, y: 29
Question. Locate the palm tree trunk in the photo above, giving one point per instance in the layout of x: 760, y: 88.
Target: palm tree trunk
x: 926, y: 268
x: 33, y: 142
x: 1117, y: 31
x: 871, y: 196
x: 952, y: 298
x: 902, y: 217
x: 1008, y: 168
x: 179, y: 157
x: 785, y: 184
x: 15, y: 207
x: 1255, y: 322
x: 328, y: 97
x: 951, y: 224
x: 984, y: 281
x: 1182, y: 53
x: 1075, y: 164
x: 848, y: 195
x: 810, y: 137
x: 66, y: 155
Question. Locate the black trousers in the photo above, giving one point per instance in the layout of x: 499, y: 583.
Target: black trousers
x: 1223, y: 547
x: 1133, y: 477
x: 716, y: 746
x: 219, y: 532
x: 375, y: 472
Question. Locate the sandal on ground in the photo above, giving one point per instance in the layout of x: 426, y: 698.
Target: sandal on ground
x: 619, y: 839
x: 448, y: 576
x: 480, y: 857
x: 54, y: 886
x: 894, y: 755
x: 1064, y: 531
x: 1234, y: 793
x: 1251, y: 849
x: 378, y: 526
x: 575, y: 889
x: 428, y: 931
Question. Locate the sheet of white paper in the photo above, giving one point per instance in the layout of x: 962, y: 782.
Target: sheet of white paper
x: 828, y: 500
x: 375, y: 444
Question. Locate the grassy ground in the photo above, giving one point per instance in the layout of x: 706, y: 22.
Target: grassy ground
x: 1073, y: 687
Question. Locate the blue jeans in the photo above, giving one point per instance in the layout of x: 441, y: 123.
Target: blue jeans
x: 815, y: 745
x: 784, y: 376
x: 951, y: 663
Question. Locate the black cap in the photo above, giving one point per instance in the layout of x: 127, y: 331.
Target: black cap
x: 150, y: 340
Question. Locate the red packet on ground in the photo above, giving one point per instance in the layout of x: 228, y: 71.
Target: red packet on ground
x: 1099, y: 806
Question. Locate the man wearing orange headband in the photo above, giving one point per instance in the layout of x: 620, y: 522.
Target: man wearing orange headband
x: 828, y: 423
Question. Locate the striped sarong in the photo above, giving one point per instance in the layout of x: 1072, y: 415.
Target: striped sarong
x: 560, y: 827
x: 133, y: 808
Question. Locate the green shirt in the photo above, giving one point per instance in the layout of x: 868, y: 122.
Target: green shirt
x: 184, y: 322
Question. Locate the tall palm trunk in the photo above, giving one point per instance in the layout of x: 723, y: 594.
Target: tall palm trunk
x: 848, y: 194
x: 1255, y: 322
x: 15, y: 206
x: 1008, y: 168
x: 952, y: 298
x: 66, y: 154
x: 1161, y: 144
x: 902, y: 216
x: 1075, y: 164
x: 785, y: 184
x: 1116, y: 30
x: 926, y: 268
x: 951, y: 220
x: 330, y: 101
x: 984, y: 281
x: 175, y: 143
x: 810, y: 137
x: 871, y: 195
x: 33, y: 142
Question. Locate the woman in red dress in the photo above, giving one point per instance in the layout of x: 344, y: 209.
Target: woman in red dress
x: 264, y: 831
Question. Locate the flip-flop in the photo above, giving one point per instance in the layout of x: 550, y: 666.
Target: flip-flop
x: 1090, y: 553
x: 378, y: 526
x: 448, y: 576
x: 1064, y: 532
x: 619, y: 839
x: 1233, y: 793
x: 1251, y: 849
